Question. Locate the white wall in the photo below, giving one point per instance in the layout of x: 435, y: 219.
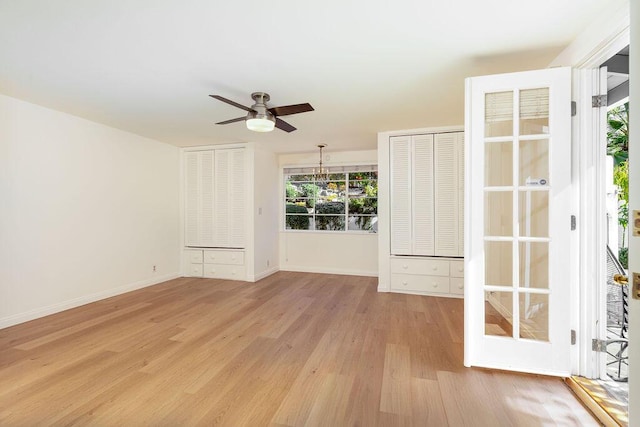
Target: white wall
x: 594, y: 38
x: 327, y: 252
x: 86, y: 211
x: 266, y: 212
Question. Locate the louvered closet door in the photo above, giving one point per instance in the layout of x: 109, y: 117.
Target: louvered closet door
x: 229, y: 212
x: 447, y: 233
x: 199, y: 221
x: 191, y: 200
x: 460, y: 172
x: 237, y: 207
x: 422, y: 195
x: 206, y: 198
x: 400, y: 197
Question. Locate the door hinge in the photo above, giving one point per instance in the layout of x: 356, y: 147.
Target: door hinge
x: 573, y: 337
x: 574, y: 108
x: 599, y: 345
x: 573, y: 222
x: 598, y: 101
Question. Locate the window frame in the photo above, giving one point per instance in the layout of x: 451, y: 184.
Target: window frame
x: 346, y: 215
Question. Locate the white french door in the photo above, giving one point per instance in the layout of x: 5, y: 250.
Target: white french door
x: 518, y: 221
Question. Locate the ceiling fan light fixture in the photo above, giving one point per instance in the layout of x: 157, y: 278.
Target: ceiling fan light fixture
x: 261, y: 122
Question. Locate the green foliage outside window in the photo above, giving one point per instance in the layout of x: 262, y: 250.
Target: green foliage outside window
x: 297, y: 222
x: 618, y: 147
x: 311, y: 191
x: 291, y: 190
x: 333, y: 222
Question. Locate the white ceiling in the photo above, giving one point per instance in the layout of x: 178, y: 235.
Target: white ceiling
x: 148, y: 66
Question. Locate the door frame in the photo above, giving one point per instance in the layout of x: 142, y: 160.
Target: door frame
x: 588, y: 174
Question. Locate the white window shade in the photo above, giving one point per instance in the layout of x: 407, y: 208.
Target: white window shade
x: 534, y: 104
x: 332, y: 169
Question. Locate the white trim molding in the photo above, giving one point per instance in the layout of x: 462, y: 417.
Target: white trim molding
x: 86, y: 299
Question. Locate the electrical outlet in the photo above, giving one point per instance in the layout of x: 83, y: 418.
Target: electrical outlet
x: 154, y: 268
x: 268, y: 263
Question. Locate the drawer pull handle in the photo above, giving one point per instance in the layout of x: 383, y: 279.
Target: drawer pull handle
x: 460, y: 286
x: 405, y: 266
x: 435, y: 285
x: 405, y: 283
x: 461, y: 269
x: 435, y: 268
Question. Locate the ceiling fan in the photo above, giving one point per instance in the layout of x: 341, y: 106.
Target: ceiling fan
x: 261, y: 118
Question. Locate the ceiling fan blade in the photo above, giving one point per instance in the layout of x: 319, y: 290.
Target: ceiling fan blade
x: 238, y: 119
x: 230, y: 102
x: 282, y: 125
x: 291, y: 109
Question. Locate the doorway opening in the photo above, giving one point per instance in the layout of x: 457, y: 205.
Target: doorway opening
x: 610, y: 391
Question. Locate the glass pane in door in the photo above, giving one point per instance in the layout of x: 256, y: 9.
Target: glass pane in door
x: 533, y: 265
x: 534, y: 316
x: 534, y: 111
x: 534, y: 163
x: 498, y: 316
x: 498, y: 114
x: 533, y: 215
x: 498, y: 213
x: 498, y: 162
x: 498, y: 262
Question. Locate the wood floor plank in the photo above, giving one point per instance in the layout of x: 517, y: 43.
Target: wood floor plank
x: 330, y: 405
x: 292, y: 349
x: 62, y: 333
x: 396, y: 381
x: 426, y: 402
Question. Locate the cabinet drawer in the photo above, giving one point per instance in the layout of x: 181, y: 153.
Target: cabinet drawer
x: 194, y: 270
x: 457, y: 268
x: 431, y: 267
x: 224, y: 271
x: 414, y: 282
x: 213, y: 256
x: 456, y: 285
x: 193, y: 256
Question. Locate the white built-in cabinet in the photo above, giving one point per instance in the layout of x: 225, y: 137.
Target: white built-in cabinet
x: 215, y: 263
x: 421, y: 239
x: 215, y: 198
x: 215, y: 212
x: 426, y: 194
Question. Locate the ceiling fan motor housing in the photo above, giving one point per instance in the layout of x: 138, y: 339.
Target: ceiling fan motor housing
x: 259, y: 118
x: 260, y: 110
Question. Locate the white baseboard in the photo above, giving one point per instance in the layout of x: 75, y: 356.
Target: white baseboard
x: 263, y: 274
x: 305, y: 269
x: 383, y: 287
x: 76, y: 302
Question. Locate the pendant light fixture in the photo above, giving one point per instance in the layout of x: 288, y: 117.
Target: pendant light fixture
x: 322, y: 174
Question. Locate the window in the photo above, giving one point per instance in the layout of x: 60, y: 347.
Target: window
x: 345, y: 200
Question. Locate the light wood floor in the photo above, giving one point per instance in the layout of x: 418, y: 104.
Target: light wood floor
x: 292, y: 349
